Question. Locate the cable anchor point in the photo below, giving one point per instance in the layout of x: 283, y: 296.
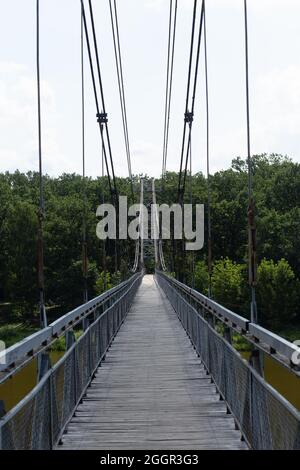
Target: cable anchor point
x: 188, y: 117
x: 102, y: 118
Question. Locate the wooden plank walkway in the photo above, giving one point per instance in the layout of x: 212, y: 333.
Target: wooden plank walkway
x: 152, y: 391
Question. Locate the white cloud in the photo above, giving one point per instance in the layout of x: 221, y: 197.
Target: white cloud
x: 146, y: 158
x: 8, y: 67
x: 155, y: 4
x: 270, y: 5
x: 255, y: 5
x: 276, y: 108
x: 18, y: 120
x: 160, y: 4
x: 275, y: 100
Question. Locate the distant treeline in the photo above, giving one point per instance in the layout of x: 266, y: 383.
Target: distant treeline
x: 277, y: 197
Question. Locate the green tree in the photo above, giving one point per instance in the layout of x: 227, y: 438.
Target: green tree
x: 277, y: 293
x: 276, y: 186
x: 201, y: 277
x: 103, y: 283
x: 227, y: 283
x: 21, y: 257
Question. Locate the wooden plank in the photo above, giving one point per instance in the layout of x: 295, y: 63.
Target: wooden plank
x: 152, y: 392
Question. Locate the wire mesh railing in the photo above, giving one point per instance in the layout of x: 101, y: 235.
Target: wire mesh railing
x: 39, y: 420
x: 266, y: 419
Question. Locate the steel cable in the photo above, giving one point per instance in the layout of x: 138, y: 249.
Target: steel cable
x: 41, y: 210
x: 251, y: 210
x: 169, y: 82
x: 120, y: 77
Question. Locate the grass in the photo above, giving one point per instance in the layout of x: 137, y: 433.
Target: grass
x: 14, y: 332
x: 240, y: 343
x: 291, y: 333
x: 60, y: 343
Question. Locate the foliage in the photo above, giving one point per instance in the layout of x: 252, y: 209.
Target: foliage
x: 201, y: 277
x: 278, y: 293
x: 116, y: 278
x: 277, y: 200
x: 15, y: 332
x: 103, y: 283
x: 227, y: 282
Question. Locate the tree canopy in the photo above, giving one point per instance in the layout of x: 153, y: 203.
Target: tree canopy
x: 277, y: 198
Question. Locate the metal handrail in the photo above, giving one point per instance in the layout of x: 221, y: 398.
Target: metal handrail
x: 265, y: 340
x: 274, y: 342
x: 216, y: 309
x: 265, y: 418
x: 93, y: 344
x: 38, y: 341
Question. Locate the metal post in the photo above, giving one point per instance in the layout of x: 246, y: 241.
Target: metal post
x: 44, y: 364
x: 70, y: 339
x: 256, y: 360
x: 50, y: 413
x: 85, y: 324
x: 211, y: 320
x: 142, y: 223
x: 253, y: 306
x: 228, y: 334
x: 155, y: 221
x: 2, y: 409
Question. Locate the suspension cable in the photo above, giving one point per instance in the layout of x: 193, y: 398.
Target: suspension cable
x: 251, y: 211
x: 84, y: 239
x: 41, y: 210
x: 96, y: 95
x: 191, y: 202
x: 120, y: 77
x: 103, y: 201
x: 101, y: 116
x: 102, y: 97
x: 208, y: 161
x: 104, y: 120
x: 169, y: 83
x: 167, y: 86
x: 248, y: 103
x: 187, y: 94
x: 189, y: 114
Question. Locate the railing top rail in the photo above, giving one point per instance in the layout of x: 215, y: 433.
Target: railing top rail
x: 28, y: 346
x: 291, y: 408
x: 266, y: 419
x: 264, y: 339
x: 20, y: 405
x: 24, y: 348
x: 85, y: 309
x: 276, y: 343
x: 221, y: 312
x: 49, y: 406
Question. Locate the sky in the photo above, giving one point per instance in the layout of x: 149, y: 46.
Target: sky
x: 274, y: 62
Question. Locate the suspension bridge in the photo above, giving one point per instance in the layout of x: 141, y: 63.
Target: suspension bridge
x: 154, y: 366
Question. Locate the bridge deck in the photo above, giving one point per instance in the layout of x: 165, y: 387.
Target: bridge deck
x: 152, y: 391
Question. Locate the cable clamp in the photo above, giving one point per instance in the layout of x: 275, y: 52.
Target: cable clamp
x: 102, y: 118
x: 41, y: 213
x: 188, y: 117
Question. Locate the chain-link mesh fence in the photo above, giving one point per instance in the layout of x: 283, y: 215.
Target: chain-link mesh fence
x: 266, y: 419
x: 38, y: 421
